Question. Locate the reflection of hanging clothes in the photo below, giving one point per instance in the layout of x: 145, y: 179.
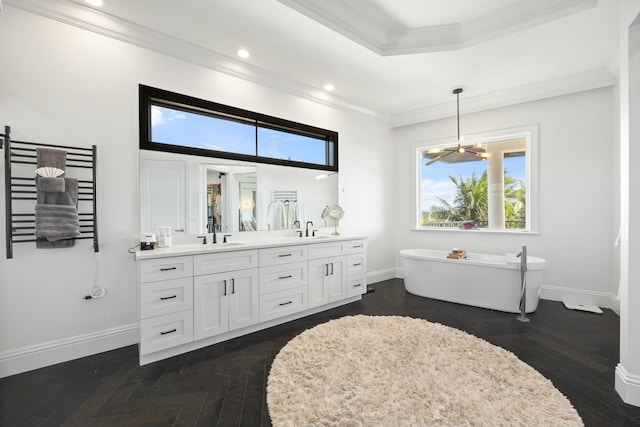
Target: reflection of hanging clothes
x: 217, y: 208
x: 283, y: 215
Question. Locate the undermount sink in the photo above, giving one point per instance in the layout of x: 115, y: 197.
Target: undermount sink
x: 319, y: 237
x: 227, y: 245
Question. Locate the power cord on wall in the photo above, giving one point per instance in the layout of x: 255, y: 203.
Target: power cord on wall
x: 96, y: 291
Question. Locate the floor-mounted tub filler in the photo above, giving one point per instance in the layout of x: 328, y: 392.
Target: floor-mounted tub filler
x: 481, y: 280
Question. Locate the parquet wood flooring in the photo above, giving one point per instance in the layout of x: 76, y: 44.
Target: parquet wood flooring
x: 225, y: 384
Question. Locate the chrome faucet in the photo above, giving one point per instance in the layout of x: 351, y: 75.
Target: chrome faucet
x: 307, y: 228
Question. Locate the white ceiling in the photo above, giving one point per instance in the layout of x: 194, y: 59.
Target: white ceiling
x: 398, y: 59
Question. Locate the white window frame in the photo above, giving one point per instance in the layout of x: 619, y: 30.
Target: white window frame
x: 531, y: 135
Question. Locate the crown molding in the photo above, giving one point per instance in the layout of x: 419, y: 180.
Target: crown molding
x: 365, y: 27
x: 89, y: 19
x: 594, y: 79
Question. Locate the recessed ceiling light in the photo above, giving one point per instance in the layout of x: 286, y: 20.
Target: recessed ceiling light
x: 243, y: 53
x: 329, y: 87
x: 94, y: 2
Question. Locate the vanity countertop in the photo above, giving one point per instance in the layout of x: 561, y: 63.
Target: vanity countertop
x: 199, y: 248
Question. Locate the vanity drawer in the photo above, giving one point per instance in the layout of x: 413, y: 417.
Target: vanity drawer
x: 224, y: 261
x: 325, y: 250
x: 356, y: 264
x: 356, y: 286
x: 355, y: 246
x: 277, y: 278
x: 283, y: 303
x: 162, y: 332
x: 166, y: 296
x: 283, y: 255
x: 152, y: 270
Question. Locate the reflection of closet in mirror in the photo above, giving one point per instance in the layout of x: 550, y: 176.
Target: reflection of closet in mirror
x: 214, y: 206
x: 231, y: 198
x: 247, y: 209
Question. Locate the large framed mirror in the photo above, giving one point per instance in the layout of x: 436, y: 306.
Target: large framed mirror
x: 194, y: 194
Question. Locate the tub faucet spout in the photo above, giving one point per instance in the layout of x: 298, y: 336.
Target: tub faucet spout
x: 523, y: 284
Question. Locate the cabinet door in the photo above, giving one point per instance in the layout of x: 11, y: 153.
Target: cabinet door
x: 163, y: 194
x: 243, y: 299
x: 337, y: 278
x: 210, y: 306
x: 318, y: 282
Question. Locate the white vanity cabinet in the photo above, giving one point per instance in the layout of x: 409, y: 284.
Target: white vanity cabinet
x: 327, y: 272
x: 225, y: 292
x: 199, y: 295
x: 356, y: 268
x: 166, y: 303
x: 284, y: 283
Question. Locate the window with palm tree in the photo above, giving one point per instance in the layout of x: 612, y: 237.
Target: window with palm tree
x: 460, y: 191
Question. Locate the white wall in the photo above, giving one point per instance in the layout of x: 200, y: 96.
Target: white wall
x: 576, y: 231
x: 63, y: 85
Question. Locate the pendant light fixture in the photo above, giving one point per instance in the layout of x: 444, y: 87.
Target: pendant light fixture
x: 462, y: 153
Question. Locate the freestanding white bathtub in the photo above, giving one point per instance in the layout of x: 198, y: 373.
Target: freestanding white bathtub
x: 488, y: 281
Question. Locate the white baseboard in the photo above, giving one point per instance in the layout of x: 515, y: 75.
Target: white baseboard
x: 382, y: 275
x: 628, y: 386
x: 601, y: 299
x: 50, y: 353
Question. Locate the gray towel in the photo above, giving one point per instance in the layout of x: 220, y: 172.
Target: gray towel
x: 51, y: 157
x: 52, y: 185
x: 57, y: 217
x: 57, y: 222
x: 68, y: 197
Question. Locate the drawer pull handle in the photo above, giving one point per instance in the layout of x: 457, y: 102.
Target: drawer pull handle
x: 285, y: 277
x: 284, y: 255
x: 168, y: 268
x: 285, y: 303
x: 358, y: 285
x: 356, y: 264
x: 168, y: 332
x: 166, y: 298
x: 357, y: 246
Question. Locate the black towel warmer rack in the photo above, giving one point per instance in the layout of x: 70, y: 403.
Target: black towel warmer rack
x: 20, y: 226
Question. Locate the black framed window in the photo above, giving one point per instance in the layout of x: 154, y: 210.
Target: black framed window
x: 182, y: 124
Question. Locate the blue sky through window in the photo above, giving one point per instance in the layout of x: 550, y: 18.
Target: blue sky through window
x: 170, y: 126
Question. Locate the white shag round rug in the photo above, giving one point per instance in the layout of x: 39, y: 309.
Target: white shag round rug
x: 400, y: 371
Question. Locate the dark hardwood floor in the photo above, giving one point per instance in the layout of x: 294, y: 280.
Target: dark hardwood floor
x: 224, y: 384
